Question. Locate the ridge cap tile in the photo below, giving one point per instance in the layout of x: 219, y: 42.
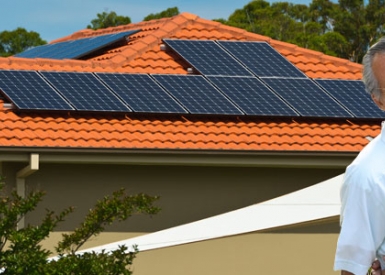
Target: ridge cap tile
x: 189, y: 16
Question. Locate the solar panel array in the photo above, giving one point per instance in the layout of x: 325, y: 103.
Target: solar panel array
x: 141, y: 93
x: 252, y: 96
x: 197, y: 94
x: 181, y: 94
x: 85, y: 91
x: 261, y: 59
x: 207, y: 57
x: 239, y: 78
x: 307, y: 98
x: 28, y: 90
x: 74, y: 49
x: 353, y: 95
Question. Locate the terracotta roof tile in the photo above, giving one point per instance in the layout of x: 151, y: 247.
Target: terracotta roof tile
x: 143, y: 54
x: 123, y: 133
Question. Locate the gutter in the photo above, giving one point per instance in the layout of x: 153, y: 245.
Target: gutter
x: 21, y: 175
x: 287, y: 159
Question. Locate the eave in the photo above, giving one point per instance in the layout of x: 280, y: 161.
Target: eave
x: 272, y: 159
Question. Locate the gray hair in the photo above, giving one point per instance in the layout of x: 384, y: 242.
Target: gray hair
x: 371, y: 83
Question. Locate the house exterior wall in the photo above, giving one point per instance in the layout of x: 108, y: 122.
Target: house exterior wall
x: 187, y: 194
x: 254, y: 253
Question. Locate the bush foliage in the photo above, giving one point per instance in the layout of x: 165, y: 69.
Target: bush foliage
x: 22, y: 253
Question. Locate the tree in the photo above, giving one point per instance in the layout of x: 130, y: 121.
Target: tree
x: 330, y: 43
x: 281, y: 20
x: 111, y: 19
x: 351, y: 24
x: 345, y: 29
x: 321, y: 12
x: 253, y: 17
x: 21, y: 252
x: 166, y: 13
x: 375, y: 18
x: 19, y: 40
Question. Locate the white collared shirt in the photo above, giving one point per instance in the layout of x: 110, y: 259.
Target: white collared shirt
x: 363, y: 210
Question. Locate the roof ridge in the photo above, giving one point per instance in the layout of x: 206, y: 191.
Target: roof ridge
x: 170, y: 25
x: 144, y: 45
x: 84, y: 33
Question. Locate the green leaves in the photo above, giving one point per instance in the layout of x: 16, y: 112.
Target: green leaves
x: 19, y: 40
x: 21, y: 252
x: 344, y: 29
x: 111, y: 19
x: 117, y: 207
x: 115, y: 263
x: 12, y: 208
x: 166, y: 13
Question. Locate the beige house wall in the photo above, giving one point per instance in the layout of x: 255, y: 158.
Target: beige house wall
x: 186, y: 193
x: 190, y: 193
x: 249, y: 254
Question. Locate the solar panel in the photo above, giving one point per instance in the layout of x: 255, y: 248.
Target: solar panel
x: 45, y: 51
x: 352, y: 94
x: 75, y: 48
x: 141, y: 93
x: 252, y: 96
x: 207, y: 57
x: 262, y: 59
x: 306, y: 97
x: 197, y: 94
x: 85, y: 91
x: 28, y: 91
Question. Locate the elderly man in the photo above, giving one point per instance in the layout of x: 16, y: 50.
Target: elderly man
x: 362, y: 234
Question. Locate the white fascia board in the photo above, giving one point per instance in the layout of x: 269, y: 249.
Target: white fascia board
x: 316, y: 202
x: 182, y: 157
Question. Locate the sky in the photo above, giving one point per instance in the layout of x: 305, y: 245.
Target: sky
x: 54, y: 19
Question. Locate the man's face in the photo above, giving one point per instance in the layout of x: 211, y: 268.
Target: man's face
x: 378, y: 66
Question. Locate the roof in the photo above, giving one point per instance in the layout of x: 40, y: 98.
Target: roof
x: 143, y: 54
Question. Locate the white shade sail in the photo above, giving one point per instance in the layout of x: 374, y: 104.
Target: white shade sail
x: 316, y: 202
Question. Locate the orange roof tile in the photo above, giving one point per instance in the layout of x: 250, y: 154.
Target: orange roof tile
x: 143, y: 54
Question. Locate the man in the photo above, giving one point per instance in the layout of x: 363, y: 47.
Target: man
x: 362, y: 233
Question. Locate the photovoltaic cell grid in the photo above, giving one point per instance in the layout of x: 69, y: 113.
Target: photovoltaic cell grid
x: 262, y: 59
x: 85, y: 92
x: 27, y: 90
x: 307, y: 98
x: 207, y: 57
x: 252, y: 96
x: 352, y: 94
x: 141, y: 93
x: 46, y: 51
x: 197, y: 95
x: 75, y: 48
